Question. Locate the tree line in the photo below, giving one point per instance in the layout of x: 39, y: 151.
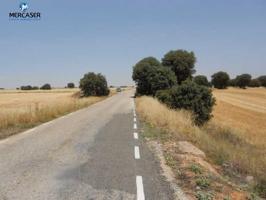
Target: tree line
x: 221, y: 80
x: 171, y: 81
x: 91, y: 84
x: 46, y: 86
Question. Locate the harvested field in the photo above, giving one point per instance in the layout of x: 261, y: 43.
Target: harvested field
x: 244, y: 110
x: 21, y: 110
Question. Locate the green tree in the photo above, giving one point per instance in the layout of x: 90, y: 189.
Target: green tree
x: 181, y: 62
x: 190, y: 96
x: 70, y: 85
x: 94, y: 85
x: 150, y: 76
x: 220, y: 80
x: 46, y: 86
x: 262, y: 80
x: 27, y: 87
x: 243, y: 80
x: 254, y: 83
x: 35, y: 88
x: 201, y: 80
x: 232, y: 82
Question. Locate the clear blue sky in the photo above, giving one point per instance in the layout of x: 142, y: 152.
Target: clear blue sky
x: 75, y: 37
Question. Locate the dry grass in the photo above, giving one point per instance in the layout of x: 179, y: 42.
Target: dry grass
x: 22, y: 110
x: 222, y: 143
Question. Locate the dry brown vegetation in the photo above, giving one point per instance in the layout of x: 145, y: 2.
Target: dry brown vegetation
x: 235, y: 137
x: 20, y: 110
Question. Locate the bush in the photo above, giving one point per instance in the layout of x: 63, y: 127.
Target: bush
x: 254, y: 83
x: 181, y: 62
x: 204, y: 195
x: 164, y: 96
x: 150, y: 76
x: 203, y: 182
x: 94, y: 85
x: 70, y: 85
x: 220, y: 80
x: 190, y: 96
x: 243, y: 80
x: 201, y: 80
x: 46, y: 86
x: 260, y: 188
x: 262, y: 80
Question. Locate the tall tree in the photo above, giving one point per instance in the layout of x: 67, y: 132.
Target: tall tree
x: 254, y: 83
x: 262, y: 80
x: 220, y: 80
x: 70, y: 85
x: 150, y: 76
x: 94, y: 85
x: 181, y: 62
x: 243, y: 80
x: 46, y: 86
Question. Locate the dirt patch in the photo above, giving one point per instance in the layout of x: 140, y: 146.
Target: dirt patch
x: 187, y: 169
x: 187, y: 148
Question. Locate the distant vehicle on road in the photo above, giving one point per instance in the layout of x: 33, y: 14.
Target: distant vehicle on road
x: 118, y: 89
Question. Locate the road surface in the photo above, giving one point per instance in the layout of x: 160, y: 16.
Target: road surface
x: 94, y: 153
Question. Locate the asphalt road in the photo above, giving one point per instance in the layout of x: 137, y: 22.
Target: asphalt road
x: 90, y: 154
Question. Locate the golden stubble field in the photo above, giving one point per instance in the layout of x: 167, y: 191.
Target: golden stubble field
x: 244, y: 110
x: 20, y: 110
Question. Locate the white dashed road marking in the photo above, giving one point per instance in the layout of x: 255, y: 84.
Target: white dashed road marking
x: 136, y: 136
x: 140, y: 189
x: 139, y: 182
x: 136, y: 150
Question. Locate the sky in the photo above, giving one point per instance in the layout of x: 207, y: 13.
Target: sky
x: 109, y: 37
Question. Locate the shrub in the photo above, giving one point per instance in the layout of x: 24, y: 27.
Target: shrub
x: 204, y: 195
x: 196, y: 169
x: 190, y: 96
x: 46, y: 86
x: 164, y: 96
x: 203, y: 182
x: 220, y: 80
x: 181, y: 62
x: 150, y: 76
x: 262, y: 80
x: 201, y: 80
x: 70, y: 85
x: 94, y: 85
x: 260, y: 188
x: 243, y: 80
x: 254, y: 83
